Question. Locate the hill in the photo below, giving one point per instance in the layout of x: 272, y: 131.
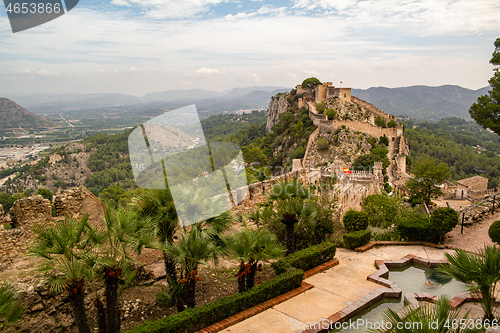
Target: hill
x: 14, y: 116
x: 423, y: 102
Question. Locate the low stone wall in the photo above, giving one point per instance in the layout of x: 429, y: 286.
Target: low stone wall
x: 77, y: 202
x: 27, y: 211
x: 13, y: 244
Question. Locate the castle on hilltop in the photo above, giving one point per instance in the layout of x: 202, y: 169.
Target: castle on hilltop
x: 324, y: 92
x: 309, y: 97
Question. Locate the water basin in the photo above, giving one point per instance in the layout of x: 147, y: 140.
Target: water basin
x: 413, y: 279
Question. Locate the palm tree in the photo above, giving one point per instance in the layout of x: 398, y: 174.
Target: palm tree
x: 292, y: 203
x: 63, y: 245
x: 481, y: 273
x: 158, y: 206
x: 435, y: 318
x: 249, y: 247
x: 123, y: 235
x: 10, y: 309
x: 192, y: 249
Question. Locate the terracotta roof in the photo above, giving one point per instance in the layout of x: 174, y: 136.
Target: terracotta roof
x: 471, y: 181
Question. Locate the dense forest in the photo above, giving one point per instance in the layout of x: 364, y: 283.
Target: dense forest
x: 467, y: 149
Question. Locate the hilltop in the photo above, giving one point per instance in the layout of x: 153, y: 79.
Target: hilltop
x: 14, y: 116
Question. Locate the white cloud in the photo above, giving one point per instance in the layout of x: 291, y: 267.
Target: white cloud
x: 255, y: 76
x: 45, y: 72
x: 206, y: 72
x: 129, y: 70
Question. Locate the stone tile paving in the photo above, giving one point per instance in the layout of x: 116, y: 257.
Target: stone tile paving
x: 334, y: 289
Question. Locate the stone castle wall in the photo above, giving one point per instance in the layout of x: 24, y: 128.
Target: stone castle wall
x: 361, y: 127
x: 372, y: 108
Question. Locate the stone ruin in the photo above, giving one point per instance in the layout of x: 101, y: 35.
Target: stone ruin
x: 77, y: 202
x: 26, y: 212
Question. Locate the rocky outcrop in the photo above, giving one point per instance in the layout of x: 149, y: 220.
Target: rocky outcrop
x: 277, y: 106
x: 1, y: 212
x: 77, y: 202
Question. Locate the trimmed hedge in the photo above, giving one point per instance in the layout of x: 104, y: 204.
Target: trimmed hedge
x: 418, y: 229
x: 355, y: 220
x: 307, y: 258
x: 191, y: 320
x: 494, y: 232
x: 355, y: 239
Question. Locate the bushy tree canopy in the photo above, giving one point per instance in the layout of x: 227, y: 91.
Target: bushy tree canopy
x: 310, y: 82
x: 486, y: 111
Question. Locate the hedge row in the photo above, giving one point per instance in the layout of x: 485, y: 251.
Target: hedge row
x: 307, y: 258
x: 191, y: 320
x: 355, y: 239
x: 418, y: 229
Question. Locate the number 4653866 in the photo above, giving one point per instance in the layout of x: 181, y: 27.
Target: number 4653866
x: 33, y: 8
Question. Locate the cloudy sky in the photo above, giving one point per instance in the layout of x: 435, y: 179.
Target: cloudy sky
x: 141, y: 46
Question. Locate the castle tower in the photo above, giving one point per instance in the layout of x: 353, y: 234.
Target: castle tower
x: 377, y: 169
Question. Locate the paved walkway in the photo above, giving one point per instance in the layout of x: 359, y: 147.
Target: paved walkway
x: 333, y: 290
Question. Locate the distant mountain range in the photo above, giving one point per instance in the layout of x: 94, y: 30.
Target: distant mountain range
x: 237, y: 98
x: 13, y: 116
x: 423, y: 102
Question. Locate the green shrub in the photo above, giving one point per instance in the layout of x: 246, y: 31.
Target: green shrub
x: 322, y: 144
x: 299, y: 152
x: 443, y: 220
x: 387, y: 235
x: 355, y: 239
x: 197, y: 318
x: 355, y: 220
x: 307, y: 258
x: 320, y: 107
x: 384, y: 140
x: 331, y: 113
x: 379, y: 121
x: 392, y: 124
x: 418, y: 229
x: 494, y: 232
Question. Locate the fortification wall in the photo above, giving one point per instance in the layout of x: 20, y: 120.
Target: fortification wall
x: 306, y: 160
x: 13, y: 243
x: 360, y: 126
x: 372, y: 108
x: 317, y: 118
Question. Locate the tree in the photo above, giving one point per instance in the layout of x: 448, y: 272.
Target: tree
x: 441, y: 315
x: 63, y: 246
x: 443, y: 220
x: 481, y: 273
x: 249, y: 247
x: 193, y: 248
x: 429, y: 173
x: 158, y: 207
x: 310, y: 83
x: 379, y: 121
x: 290, y: 199
x: 331, y: 114
x: 486, y: 112
x: 299, y: 128
x: 124, y: 234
